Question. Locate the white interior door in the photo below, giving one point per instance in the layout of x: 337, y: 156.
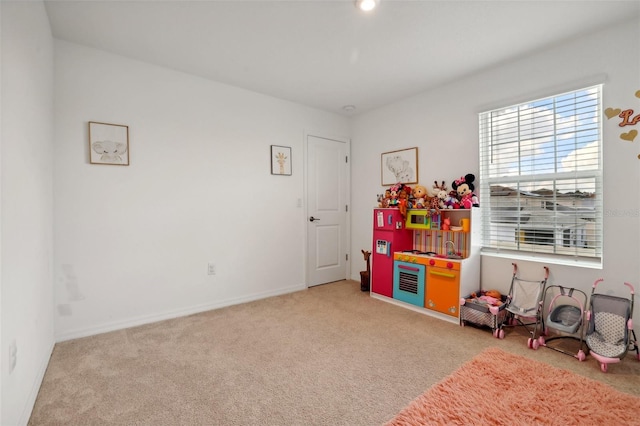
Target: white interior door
x: 327, y: 210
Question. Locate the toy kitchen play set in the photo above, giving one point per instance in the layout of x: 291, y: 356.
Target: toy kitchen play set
x: 426, y: 252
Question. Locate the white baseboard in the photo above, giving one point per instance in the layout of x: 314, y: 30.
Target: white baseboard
x: 147, y: 319
x: 35, y: 388
x: 415, y: 308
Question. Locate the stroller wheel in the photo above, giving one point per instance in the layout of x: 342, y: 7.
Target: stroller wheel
x: 534, y: 344
x: 530, y: 343
x: 581, y: 356
x: 501, y: 334
x: 603, y: 367
x: 541, y: 341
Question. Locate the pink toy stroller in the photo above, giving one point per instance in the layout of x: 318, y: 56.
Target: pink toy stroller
x: 566, y: 308
x: 610, y: 327
x: 524, y: 305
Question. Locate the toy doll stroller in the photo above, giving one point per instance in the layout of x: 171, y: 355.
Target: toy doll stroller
x: 524, y: 305
x: 610, y: 327
x: 566, y: 310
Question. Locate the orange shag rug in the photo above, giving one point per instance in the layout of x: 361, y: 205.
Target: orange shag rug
x: 499, y: 388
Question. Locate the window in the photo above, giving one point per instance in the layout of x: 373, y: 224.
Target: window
x: 541, y: 178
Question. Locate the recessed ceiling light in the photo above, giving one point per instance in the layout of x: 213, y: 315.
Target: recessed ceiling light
x: 349, y: 108
x: 366, y: 5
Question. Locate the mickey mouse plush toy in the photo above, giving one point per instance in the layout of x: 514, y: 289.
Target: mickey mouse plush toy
x: 464, y: 187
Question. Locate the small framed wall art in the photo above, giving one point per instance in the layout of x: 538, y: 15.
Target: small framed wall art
x: 280, y: 160
x: 399, y: 166
x: 108, y: 144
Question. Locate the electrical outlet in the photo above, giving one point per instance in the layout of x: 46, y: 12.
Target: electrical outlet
x: 13, y: 355
x: 212, y: 268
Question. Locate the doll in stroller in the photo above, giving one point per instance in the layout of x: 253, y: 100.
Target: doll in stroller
x: 610, y: 333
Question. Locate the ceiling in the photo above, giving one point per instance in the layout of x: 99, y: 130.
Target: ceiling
x: 326, y: 53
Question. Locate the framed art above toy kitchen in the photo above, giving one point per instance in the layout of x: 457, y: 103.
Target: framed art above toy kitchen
x: 399, y: 166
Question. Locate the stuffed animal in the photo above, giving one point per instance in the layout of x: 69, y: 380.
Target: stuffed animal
x: 493, y: 293
x: 419, y: 197
x: 383, y: 199
x: 439, y: 195
x: 464, y: 188
x: 446, y: 224
x: 393, y: 194
x: 490, y: 297
x: 433, y: 198
x: 451, y: 201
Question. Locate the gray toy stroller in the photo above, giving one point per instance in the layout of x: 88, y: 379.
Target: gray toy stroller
x: 610, y: 328
x: 524, y: 305
x: 566, y: 308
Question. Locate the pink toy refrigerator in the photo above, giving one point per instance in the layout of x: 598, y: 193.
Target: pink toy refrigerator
x: 389, y: 236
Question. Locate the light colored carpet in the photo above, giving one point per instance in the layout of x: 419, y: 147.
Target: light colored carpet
x: 329, y: 355
x: 502, y: 389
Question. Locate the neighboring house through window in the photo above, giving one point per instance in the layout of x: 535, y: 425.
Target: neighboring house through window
x: 541, y: 178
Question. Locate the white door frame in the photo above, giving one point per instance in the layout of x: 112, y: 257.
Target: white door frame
x: 305, y: 248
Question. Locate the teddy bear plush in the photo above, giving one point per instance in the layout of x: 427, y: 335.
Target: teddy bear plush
x: 464, y: 188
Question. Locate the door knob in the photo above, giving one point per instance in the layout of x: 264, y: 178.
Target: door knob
x: 311, y: 219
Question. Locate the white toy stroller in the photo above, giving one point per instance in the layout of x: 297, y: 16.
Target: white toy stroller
x: 566, y: 308
x: 610, y: 327
x: 524, y: 305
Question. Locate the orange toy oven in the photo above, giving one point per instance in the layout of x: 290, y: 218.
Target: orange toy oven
x: 443, y: 287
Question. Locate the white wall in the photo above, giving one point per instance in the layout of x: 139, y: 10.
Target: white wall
x: 132, y: 243
x: 27, y: 203
x: 443, y: 123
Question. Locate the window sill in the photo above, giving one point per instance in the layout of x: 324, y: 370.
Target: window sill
x: 550, y: 259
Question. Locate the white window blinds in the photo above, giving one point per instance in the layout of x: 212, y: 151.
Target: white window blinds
x: 541, y: 177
